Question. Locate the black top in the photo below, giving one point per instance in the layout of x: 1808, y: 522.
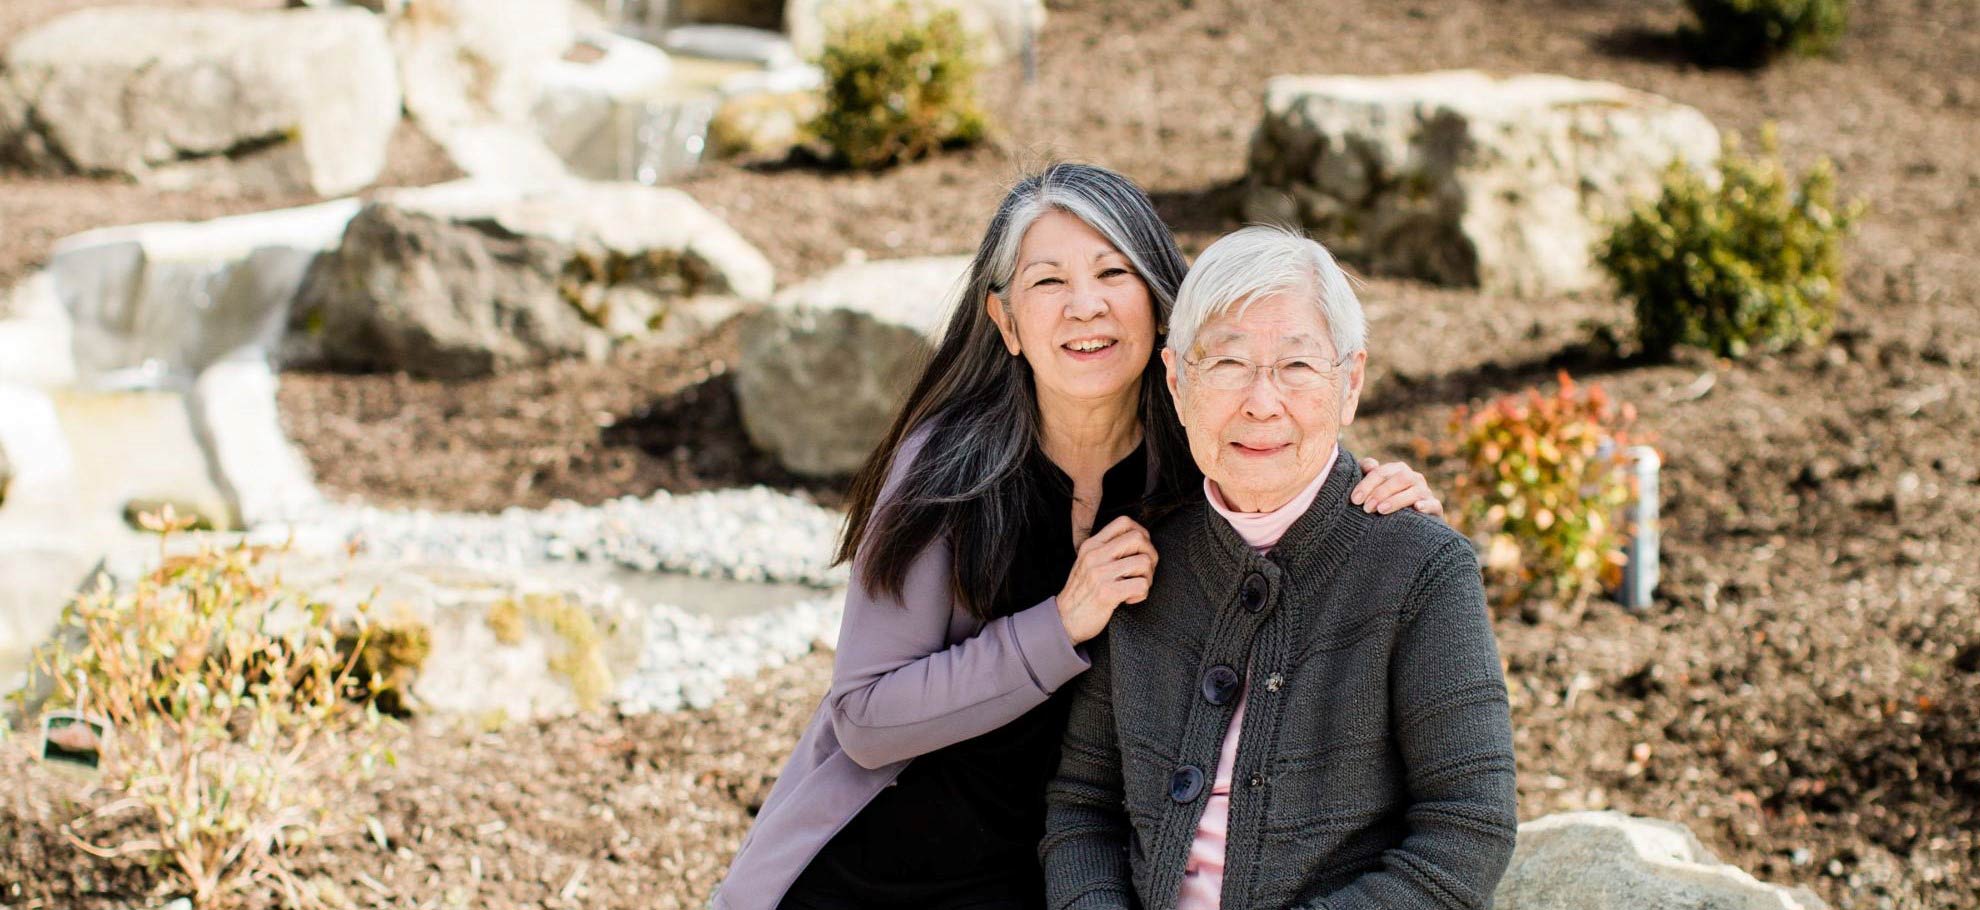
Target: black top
x: 960, y: 826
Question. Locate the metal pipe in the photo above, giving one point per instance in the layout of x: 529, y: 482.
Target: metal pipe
x: 1640, y: 572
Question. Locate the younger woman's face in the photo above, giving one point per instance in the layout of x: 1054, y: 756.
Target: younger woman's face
x: 1078, y: 313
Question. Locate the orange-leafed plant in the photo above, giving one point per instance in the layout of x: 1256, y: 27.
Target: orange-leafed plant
x: 1542, y: 492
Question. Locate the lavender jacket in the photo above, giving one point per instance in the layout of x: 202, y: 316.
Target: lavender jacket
x: 912, y: 674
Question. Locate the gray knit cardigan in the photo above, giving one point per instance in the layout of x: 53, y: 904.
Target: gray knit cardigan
x: 1375, y: 764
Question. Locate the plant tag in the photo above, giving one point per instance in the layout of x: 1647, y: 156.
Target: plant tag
x: 70, y: 738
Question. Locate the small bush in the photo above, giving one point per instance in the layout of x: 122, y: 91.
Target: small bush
x: 1753, y: 32
x: 236, y: 718
x: 386, y: 658
x: 1542, y: 491
x: 900, y: 83
x: 1754, y: 263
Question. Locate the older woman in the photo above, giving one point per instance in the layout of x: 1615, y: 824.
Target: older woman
x: 1307, y: 711
x: 991, y: 536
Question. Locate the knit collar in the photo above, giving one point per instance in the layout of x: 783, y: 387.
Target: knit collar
x: 1325, y: 533
x: 1263, y: 529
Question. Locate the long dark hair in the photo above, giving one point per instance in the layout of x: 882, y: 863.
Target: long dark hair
x: 979, y: 408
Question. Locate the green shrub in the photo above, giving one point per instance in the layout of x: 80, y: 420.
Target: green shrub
x: 1542, y: 491
x: 1753, y: 32
x: 236, y: 722
x: 900, y: 83
x: 1754, y: 263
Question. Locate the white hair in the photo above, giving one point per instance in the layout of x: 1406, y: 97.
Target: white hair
x: 1260, y: 261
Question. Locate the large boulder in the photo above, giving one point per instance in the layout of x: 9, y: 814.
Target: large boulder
x: 473, y: 72
x: 466, y: 59
x: 825, y: 367
x: 999, y: 29
x: 467, y: 279
x: 152, y: 302
x: 588, y: 108
x: 1577, y: 860
x: 237, y: 101
x: 1464, y: 178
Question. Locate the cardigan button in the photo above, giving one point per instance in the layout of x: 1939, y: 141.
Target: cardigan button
x: 1220, y: 685
x: 1186, y: 784
x: 1255, y: 592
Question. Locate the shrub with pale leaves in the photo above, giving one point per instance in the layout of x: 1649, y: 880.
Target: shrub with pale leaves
x: 236, y: 721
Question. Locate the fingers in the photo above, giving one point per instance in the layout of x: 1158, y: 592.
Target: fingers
x: 1138, y: 565
x: 1390, y: 481
x: 1127, y: 537
x: 1374, y: 477
x: 1391, y: 487
x: 1130, y: 590
x: 1396, y: 502
x: 1114, y: 529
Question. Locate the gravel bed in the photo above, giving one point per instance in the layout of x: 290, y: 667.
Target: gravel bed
x: 754, y: 534
x: 688, y: 660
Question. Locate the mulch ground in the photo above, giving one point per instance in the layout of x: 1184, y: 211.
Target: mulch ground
x: 1805, y: 695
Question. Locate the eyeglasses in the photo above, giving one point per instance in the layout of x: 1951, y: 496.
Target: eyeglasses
x: 1292, y: 374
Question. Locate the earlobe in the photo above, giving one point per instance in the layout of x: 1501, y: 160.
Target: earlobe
x: 1170, y: 379
x: 994, y: 308
x: 1351, y: 391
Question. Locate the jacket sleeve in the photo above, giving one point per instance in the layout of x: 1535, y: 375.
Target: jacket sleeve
x: 901, y: 689
x: 1085, y: 850
x: 1454, y: 731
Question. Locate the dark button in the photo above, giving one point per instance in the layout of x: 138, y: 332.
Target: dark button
x: 1253, y: 595
x: 1257, y: 780
x: 1186, y: 784
x: 1220, y: 685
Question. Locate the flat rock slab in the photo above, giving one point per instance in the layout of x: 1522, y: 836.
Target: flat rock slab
x: 177, y: 297
x: 825, y: 367
x: 1576, y: 860
x: 285, y: 101
x: 468, y: 278
x: 36, y: 336
x: 133, y: 446
x: 1463, y: 178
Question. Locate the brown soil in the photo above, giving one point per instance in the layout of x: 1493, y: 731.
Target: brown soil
x: 647, y: 420
x: 1806, y: 694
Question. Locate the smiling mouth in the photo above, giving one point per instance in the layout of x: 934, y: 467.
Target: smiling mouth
x: 1089, y: 345
x: 1244, y: 449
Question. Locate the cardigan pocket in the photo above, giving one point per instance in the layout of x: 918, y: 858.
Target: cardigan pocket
x: 1340, y: 791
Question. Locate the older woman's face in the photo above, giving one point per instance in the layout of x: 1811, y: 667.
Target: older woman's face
x: 1078, y: 312
x: 1262, y: 444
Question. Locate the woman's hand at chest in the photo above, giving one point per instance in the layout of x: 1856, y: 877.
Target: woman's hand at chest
x: 1114, y: 567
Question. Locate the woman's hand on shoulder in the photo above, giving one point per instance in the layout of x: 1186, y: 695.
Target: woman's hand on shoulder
x: 1392, y: 487
x: 1114, y: 567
